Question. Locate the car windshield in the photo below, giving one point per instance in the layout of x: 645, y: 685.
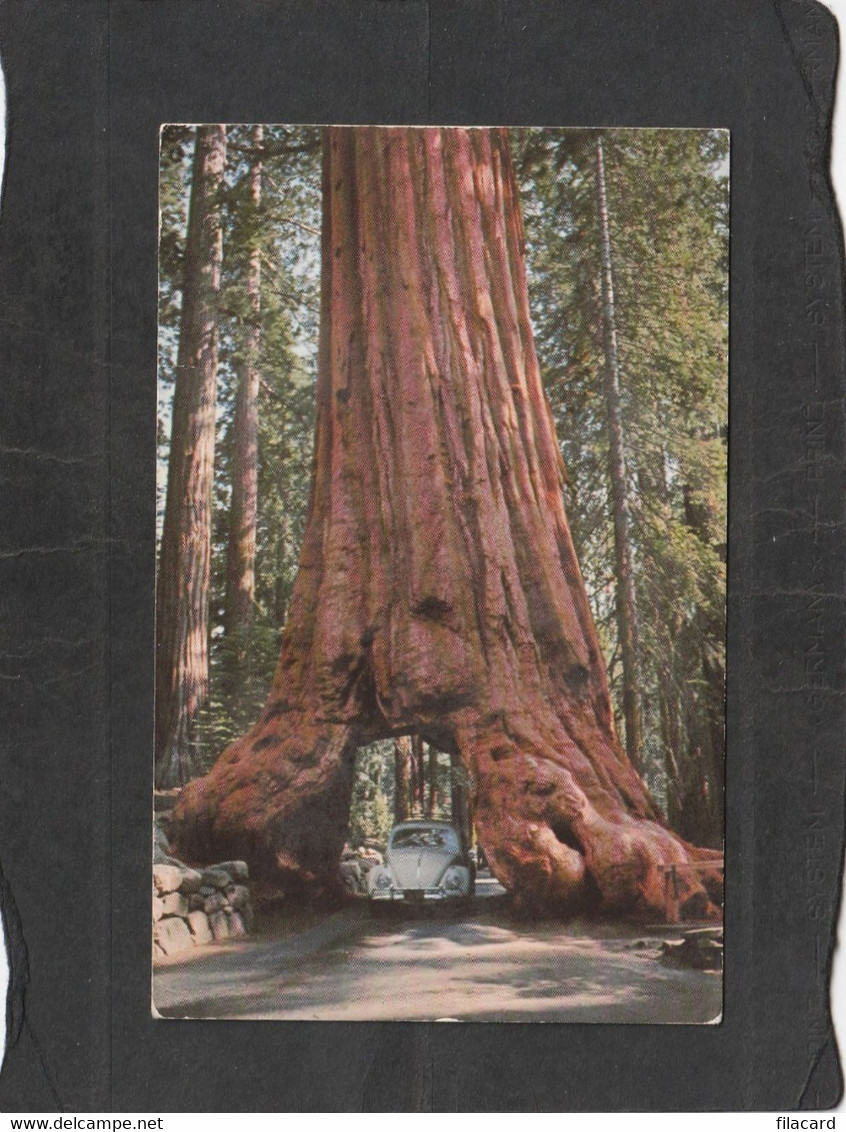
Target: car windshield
x: 426, y: 838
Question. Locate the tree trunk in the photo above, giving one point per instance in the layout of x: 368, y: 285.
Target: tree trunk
x: 433, y: 782
x: 667, y: 627
x: 438, y: 590
x: 402, y: 778
x: 708, y: 731
x: 241, y: 551
x: 182, y: 667
x: 459, y: 801
x: 626, y: 599
x: 419, y: 761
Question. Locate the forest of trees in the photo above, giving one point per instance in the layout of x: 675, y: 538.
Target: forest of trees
x: 625, y: 235
x: 667, y: 193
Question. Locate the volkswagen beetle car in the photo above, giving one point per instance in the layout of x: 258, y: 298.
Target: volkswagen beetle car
x: 424, y: 861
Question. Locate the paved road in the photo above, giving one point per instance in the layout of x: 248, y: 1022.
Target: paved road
x: 478, y: 964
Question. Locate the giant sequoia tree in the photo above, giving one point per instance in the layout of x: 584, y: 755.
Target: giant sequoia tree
x: 438, y: 591
x: 182, y: 585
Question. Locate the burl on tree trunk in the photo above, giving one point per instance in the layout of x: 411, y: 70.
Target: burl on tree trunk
x: 438, y: 590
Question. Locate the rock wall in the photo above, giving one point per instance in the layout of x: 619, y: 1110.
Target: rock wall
x: 195, y: 907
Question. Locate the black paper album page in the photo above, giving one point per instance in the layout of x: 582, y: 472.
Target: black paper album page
x: 423, y: 586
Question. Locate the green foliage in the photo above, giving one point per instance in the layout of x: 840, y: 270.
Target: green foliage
x: 668, y: 204
x: 286, y: 229
x: 176, y: 149
x: 668, y: 209
x: 372, y: 807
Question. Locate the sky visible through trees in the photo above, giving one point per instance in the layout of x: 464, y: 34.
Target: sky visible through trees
x: 666, y: 222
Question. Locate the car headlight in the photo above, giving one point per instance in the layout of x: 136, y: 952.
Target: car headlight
x: 382, y: 879
x: 454, y: 879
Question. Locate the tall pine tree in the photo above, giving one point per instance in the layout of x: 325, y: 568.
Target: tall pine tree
x: 667, y: 218
x: 182, y: 589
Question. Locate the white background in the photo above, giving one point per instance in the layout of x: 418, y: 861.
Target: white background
x: 633, y: 1122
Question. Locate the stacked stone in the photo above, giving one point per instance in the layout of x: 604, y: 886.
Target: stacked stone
x: 192, y: 908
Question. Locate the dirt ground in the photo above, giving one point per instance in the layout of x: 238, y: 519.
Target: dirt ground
x: 438, y: 964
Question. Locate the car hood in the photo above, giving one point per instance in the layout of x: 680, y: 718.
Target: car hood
x: 419, y: 866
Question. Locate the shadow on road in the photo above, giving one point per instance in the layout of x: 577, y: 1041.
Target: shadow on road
x: 478, y: 963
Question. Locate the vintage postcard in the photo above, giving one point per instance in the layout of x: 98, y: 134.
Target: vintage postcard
x: 441, y: 573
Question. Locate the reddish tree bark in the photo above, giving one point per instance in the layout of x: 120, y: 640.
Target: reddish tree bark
x: 241, y: 551
x: 438, y: 589
x: 182, y: 666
